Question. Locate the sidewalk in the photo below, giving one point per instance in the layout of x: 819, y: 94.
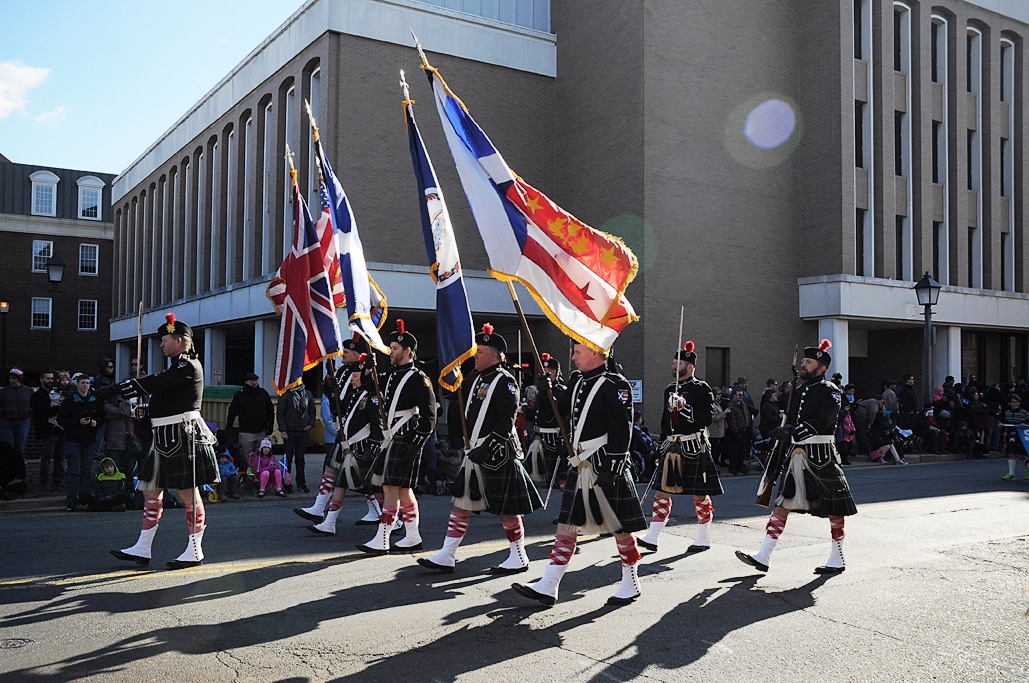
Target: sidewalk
x: 37, y: 500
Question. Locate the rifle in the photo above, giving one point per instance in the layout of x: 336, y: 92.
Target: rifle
x: 777, y: 457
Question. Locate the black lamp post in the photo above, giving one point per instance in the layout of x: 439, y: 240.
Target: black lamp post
x: 55, y: 273
x: 928, y: 292
x: 5, y: 308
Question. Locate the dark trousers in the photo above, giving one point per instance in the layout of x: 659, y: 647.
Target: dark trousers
x: 51, y: 463
x: 296, y: 447
x: 737, y: 448
x: 861, y: 435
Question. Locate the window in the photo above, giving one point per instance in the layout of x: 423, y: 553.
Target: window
x: 41, y: 313
x: 859, y: 242
x: 938, y: 237
x: 89, y: 259
x: 898, y: 143
x: 899, y: 228
x: 937, y: 141
x: 1007, y: 70
x: 859, y: 134
x: 90, y: 194
x: 44, y: 193
x: 859, y: 33
x: 717, y: 366
x: 87, y: 314
x: 42, y: 250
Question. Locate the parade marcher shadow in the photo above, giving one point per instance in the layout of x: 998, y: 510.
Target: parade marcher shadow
x: 233, y: 583
x: 701, y: 622
x: 202, y: 639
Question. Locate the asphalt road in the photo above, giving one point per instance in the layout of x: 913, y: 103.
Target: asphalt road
x: 935, y: 590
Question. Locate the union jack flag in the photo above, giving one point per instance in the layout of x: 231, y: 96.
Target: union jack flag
x: 303, y: 293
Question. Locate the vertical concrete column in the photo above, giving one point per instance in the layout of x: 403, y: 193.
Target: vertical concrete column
x: 947, y: 355
x: 214, y: 356
x: 266, y: 343
x: 838, y: 332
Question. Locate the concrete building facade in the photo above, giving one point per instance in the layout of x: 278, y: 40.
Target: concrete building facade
x: 784, y: 171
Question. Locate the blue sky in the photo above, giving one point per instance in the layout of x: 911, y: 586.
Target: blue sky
x: 90, y: 86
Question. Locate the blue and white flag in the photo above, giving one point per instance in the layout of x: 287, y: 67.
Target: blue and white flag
x: 366, y: 304
x: 454, y: 333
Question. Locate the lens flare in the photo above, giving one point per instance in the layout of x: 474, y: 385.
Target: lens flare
x: 769, y: 124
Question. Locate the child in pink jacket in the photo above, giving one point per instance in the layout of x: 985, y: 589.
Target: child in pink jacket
x: 265, y: 466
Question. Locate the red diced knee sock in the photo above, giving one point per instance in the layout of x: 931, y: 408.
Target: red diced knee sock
x: 775, y: 525
x: 662, y: 509
x: 627, y: 550
x: 705, y: 510
x: 513, y: 529
x: 564, y: 548
x: 152, y: 510
x: 409, y: 512
x: 836, y: 528
x: 457, y: 525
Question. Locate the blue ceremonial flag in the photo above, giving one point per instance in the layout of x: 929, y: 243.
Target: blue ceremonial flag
x: 454, y: 333
x: 365, y: 302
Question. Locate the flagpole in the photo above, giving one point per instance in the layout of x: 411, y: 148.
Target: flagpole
x: 550, y: 392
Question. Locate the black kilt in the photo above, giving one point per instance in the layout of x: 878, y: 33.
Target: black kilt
x: 687, y: 470
x: 395, y: 466
x: 352, y: 470
x: 621, y: 495
x: 506, y: 488
x: 821, y: 489
x: 174, y: 469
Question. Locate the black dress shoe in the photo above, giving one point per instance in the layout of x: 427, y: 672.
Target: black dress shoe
x: 429, y: 564
x: 308, y: 516
x: 143, y: 561
x: 747, y: 559
x: 697, y: 549
x: 829, y: 570
x: 365, y: 522
x: 504, y: 571
x: 320, y: 532
x: 183, y: 564
x: 652, y: 547
x: 371, y: 551
x: 407, y: 549
x: 621, y: 602
x: 303, y: 488
x: 527, y: 592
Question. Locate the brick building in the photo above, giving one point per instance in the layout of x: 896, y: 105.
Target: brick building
x: 55, y: 212
x: 784, y: 171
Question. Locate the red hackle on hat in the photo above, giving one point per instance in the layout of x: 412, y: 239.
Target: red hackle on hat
x: 400, y: 326
x: 689, y: 346
x: 487, y: 329
x: 825, y: 345
x: 363, y: 358
x: 545, y: 357
x: 170, y: 317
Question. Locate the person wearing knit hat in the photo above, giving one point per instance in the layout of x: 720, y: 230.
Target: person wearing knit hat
x: 491, y: 477
x: 546, y: 447
x: 183, y: 456
x: 267, y: 468
x: 812, y: 480
x: 409, y: 405
x: 686, y: 466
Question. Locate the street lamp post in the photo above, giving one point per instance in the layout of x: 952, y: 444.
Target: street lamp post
x: 928, y: 292
x: 5, y: 308
x: 55, y: 273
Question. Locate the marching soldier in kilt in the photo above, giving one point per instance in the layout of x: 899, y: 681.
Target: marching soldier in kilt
x: 492, y: 477
x: 812, y: 479
x: 358, y: 433
x: 600, y: 495
x: 546, y: 448
x: 686, y: 463
x: 182, y: 456
x: 409, y: 405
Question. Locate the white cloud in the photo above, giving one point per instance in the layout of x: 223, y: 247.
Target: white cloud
x: 16, y: 79
x: 52, y: 117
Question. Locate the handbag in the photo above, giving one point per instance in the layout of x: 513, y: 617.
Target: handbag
x: 133, y: 445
